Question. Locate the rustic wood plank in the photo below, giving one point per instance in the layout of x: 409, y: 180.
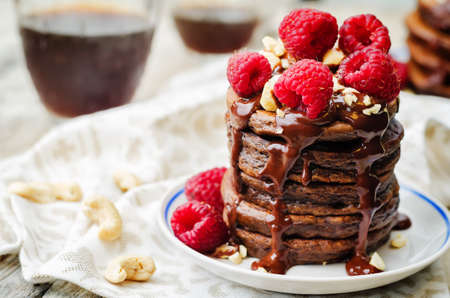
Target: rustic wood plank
x: 12, y: 283
x: 60, y: 289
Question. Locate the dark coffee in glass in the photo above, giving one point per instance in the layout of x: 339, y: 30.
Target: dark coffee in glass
x: 82, y: 59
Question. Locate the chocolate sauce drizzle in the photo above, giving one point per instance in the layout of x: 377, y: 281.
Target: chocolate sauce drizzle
x: 240, y: 114
x: 298, y: 132
x: 403, y: 222
x: 306, y: 171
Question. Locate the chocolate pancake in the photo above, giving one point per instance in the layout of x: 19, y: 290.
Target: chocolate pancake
x: 308, y: 207
x: 427, y: 81
x: 312, y: 251
x: 257, y: 219
x: 434, y: 39
x: 318, y: 193
x: 264, y: 123
x: 327, y: 162
x: 426, y: 57
x: 435, y: 13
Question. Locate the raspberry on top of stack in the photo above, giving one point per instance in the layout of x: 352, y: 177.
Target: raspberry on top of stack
x: 314, y: 143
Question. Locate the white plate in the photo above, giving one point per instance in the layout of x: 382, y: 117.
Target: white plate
x: 428, y: 238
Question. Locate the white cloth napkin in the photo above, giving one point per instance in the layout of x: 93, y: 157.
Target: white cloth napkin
x: 161, y: 141
x: 416, y: 111
x: 437, y: 136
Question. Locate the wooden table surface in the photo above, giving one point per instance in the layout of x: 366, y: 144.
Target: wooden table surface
x: 12, y: 283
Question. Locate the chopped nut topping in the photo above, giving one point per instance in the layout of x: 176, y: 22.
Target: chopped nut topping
x: 333, y: 57
x: 399, y: 241
x: 377, y: 262
x: 261, y: 269
x: 336, y: 85
x: 274, y: 61
x: 243, y: 251
x: 367, y: 101
x: 235, y: 258
x: 224, y: 251
x: 285, y: 63
x: 350, y: 98
x: 268, y: 101
x: 348, y: 90
x: 273, y: 45
x: 372, y: 110
x: 281, y: 113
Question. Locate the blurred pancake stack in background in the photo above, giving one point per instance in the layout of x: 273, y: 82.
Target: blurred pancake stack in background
x: 429, y: 46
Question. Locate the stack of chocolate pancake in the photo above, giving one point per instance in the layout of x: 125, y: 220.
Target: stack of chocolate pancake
x: 319, y: 201
x: 429, y: 46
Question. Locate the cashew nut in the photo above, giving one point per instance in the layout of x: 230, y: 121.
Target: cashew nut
x: 367, y: 101
x: 372, y: 110
x: 267, y: 100
x: 274, y: 61
x: 130, y: 268
x: 125, y: 180
x: 399, y: 241
x: 224, y: 251
x: 377, y: 262
x: 333, y: 57
x: 105, y: 214
x: 336, y: 85
x: 261, y: 269
x: 235, y: 258
x: 273, y: 45
x: 280, y: 113
x: 243, y: 251
x: 67, y: 191
x: 285, y: 63
x: 41, y: 192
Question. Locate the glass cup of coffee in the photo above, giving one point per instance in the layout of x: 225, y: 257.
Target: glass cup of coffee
x: 215, y: 26
x: 85, y: 56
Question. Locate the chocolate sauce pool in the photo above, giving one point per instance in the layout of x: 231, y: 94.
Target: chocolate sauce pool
x: 403, y: 222
x: 299, y: 132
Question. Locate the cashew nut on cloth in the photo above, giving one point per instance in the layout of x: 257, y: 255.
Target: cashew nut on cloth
x: 125, y: 180
x: 104, y: 213
x: 43, y: 192
x: 130, y: 268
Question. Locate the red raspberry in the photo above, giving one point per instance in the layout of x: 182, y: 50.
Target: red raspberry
x: 402, y: 72
x: 370, y: 71
x: 308, y: 33
x: 307, y: 85
x: 199, y: 226
x: 248, y: 72
x: 361, y: 31
x: 205, y: 187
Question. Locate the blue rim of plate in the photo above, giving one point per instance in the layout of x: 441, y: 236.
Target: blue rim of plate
x: 409, y: 189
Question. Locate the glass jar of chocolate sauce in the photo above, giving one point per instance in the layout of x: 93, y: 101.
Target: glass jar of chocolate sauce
x: 85, y: 56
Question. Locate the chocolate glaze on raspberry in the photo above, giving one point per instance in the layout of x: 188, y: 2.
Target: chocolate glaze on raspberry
x: 299, y: 132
